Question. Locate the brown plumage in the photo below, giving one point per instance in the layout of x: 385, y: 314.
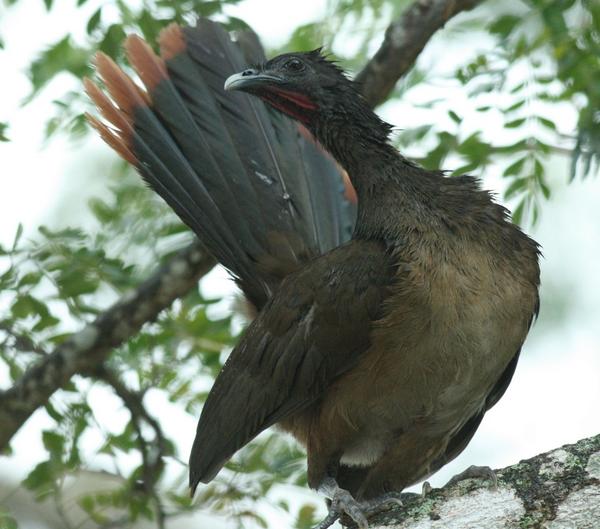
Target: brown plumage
x: 381, y: 352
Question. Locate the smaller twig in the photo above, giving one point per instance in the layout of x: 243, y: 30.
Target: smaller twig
x: 152, y: 452
x: 59, y: 506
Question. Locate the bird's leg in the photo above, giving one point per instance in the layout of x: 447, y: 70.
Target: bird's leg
x: 476, y: 472
x: 342, y: 502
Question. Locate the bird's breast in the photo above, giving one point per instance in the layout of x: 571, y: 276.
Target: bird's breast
x: 451, y: 327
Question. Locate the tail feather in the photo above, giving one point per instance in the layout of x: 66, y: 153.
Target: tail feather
x: 259, y: 194
x: 267, y: 141
x: 197, y: 146
x: 217, y: 141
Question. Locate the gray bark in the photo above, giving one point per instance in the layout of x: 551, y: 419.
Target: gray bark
x: 559, y: 489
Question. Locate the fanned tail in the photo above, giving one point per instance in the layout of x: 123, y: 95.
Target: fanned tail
x: 252, y: 185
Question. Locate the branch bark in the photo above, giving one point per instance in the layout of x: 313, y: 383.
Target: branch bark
x: 85, y: 350
x: 559, y: 489
x: 404, y: 40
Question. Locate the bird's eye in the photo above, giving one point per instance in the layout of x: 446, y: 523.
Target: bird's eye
x: 295, y: 65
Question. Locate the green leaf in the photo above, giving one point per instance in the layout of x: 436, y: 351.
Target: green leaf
x: 515, y: 106
x: 87, y: 503
x: 46, y: 321
x: 515, y: 123
x: 40, y: 479
x: 94, y: 21
x: 7, y: 521
x: 517, y: 215
x: 31, y: 278
x: 54, y: 443
x: 549, y: 124
x: 62, y: 56
x: 3, y: 127
x: 454, y: 116
x: 518, y: 185
x: 26, y: 305
x: 48, y: 4
x: 17, y: 238
x: 306, y: 517
x: 515, y: 168
x: 113, y: 39
x: 504, y: 25
x: 53, y: 412
x: 465, y: 169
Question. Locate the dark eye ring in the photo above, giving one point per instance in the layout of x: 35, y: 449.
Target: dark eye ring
x: 294, y: 65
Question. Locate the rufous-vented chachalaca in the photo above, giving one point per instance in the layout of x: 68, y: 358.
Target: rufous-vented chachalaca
x: 380, y: 351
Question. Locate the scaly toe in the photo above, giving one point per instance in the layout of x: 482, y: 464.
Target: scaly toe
x: 344, y: 503
x: 381, y: 502
x: 425, y: 489
x: 476, y: 472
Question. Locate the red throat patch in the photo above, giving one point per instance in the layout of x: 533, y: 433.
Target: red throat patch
x: 295, y: 97
x: 290, y: 103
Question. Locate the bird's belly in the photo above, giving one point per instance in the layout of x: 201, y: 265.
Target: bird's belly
x: 432, y: 380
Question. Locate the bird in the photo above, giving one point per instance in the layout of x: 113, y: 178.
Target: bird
x: 384, y: 329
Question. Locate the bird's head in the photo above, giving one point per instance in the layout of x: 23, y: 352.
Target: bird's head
x: 301, y: 85
x: 313, y: 90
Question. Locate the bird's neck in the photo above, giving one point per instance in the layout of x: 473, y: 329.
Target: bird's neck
x: 359, y: 140
x: 390, y: 189
x: 355, y: 136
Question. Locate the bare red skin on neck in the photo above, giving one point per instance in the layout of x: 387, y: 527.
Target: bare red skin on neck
x: 298, y: 102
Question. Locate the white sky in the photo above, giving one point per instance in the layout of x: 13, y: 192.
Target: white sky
x: 555, y: 394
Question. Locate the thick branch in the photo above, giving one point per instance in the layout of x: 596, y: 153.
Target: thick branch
x: 85, y: 350
x: 404, y: 39
x: 556, y: 490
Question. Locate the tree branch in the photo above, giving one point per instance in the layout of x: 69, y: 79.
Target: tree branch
x: 555, y: 490
x: 404, y: 40
x: 85, y: 350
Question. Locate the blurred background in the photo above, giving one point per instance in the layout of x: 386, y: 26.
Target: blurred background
x: 509, y: 91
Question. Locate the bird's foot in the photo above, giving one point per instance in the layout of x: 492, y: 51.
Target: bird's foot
x: 476, y: 472
x: 342, y: 503
x: 344, y: 506
x: 378, y: 504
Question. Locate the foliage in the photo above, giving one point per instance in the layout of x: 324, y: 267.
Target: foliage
x: 546, y: 57
x: 544, y: 64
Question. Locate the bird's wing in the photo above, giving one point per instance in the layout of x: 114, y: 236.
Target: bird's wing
x: 461, y: 439
x: 313, y: 329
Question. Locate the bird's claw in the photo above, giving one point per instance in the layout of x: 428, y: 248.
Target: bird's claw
x: 476, y: 472
x: 344, y: 503
x: 344, y: 506
x: 426, y: 489
x: 376, y: 505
